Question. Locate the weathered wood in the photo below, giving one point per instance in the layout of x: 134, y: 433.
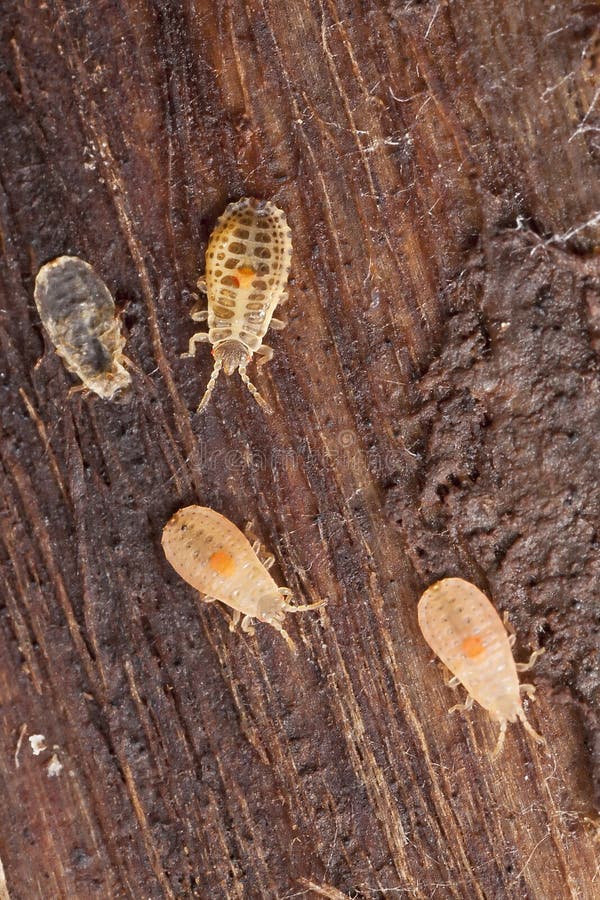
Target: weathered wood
x: 436, y: 413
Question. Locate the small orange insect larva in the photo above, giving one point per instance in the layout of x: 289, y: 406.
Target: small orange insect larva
x: 212, y: 554
x: 78, y: 312
x: 462, y: 627
x: 247, y: 266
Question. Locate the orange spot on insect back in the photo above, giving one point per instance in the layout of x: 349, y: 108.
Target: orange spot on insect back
x: 472, y: 646
x: 222, y: 563
x: 245, y: 276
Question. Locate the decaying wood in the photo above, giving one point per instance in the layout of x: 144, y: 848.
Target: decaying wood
x: 436, y: 414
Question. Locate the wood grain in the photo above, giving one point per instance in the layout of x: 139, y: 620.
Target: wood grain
x: 436, y: 413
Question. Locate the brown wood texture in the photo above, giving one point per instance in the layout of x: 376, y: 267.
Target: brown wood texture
x: 436, y: 413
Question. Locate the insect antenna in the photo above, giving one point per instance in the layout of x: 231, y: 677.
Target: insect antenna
x: 211, y: 384
x: 254, y: 391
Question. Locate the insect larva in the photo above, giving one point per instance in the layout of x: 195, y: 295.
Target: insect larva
x: 78, y: 312
x: 247, y: 266
x: 462, y: 627
x: 212, y: 554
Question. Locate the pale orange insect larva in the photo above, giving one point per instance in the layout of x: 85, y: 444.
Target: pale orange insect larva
x: 247, y: 267
x: 462, y: 627
x: 212, y: 554
x: 78, y: 312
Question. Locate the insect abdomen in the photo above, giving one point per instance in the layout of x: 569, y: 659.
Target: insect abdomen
x: 247, y: 267
x: 462, y: 627
x: 78, y: 312
x: 212, y: 555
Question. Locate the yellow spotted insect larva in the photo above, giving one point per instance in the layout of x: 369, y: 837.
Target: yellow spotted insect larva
x: 247, y: 267
x: 462, y: 627
x: 212, y: 554
x: 78, y: 312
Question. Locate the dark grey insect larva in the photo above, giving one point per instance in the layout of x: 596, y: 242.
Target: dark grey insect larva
x: 79, y: 314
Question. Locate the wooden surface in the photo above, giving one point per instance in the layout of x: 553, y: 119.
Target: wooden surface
x: 436, y: 413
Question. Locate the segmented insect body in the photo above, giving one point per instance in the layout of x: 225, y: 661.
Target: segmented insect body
x: 247, y: 267
x: 78, y: 312
x: 212, y: 554
x: 462, y: 627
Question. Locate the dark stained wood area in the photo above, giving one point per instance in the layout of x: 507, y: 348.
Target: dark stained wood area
x: 436, y: 395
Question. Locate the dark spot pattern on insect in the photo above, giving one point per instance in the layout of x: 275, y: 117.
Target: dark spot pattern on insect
x: 245, y: 280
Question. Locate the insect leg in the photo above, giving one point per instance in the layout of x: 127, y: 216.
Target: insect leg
x: 529, y: 728
x: 247, y: 625
x: 528, y: 689
x: 277, y: 324
x: 453, y: 682
x: 512, y: 635
x: 501, y: 736
x: 286, y: 637
x: 211, y: 385
x: 125, y: 361
x: 199, y: 315
x: 77, y: 389
x: 523, y: 667
x: 248, y: 531
x: 201, y: 337
x: 235, y: 620
x: 264, y: 354
x: 462, y: 707
x: 201, y: 284
x: 267, y: 559
x: 254, y: 391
